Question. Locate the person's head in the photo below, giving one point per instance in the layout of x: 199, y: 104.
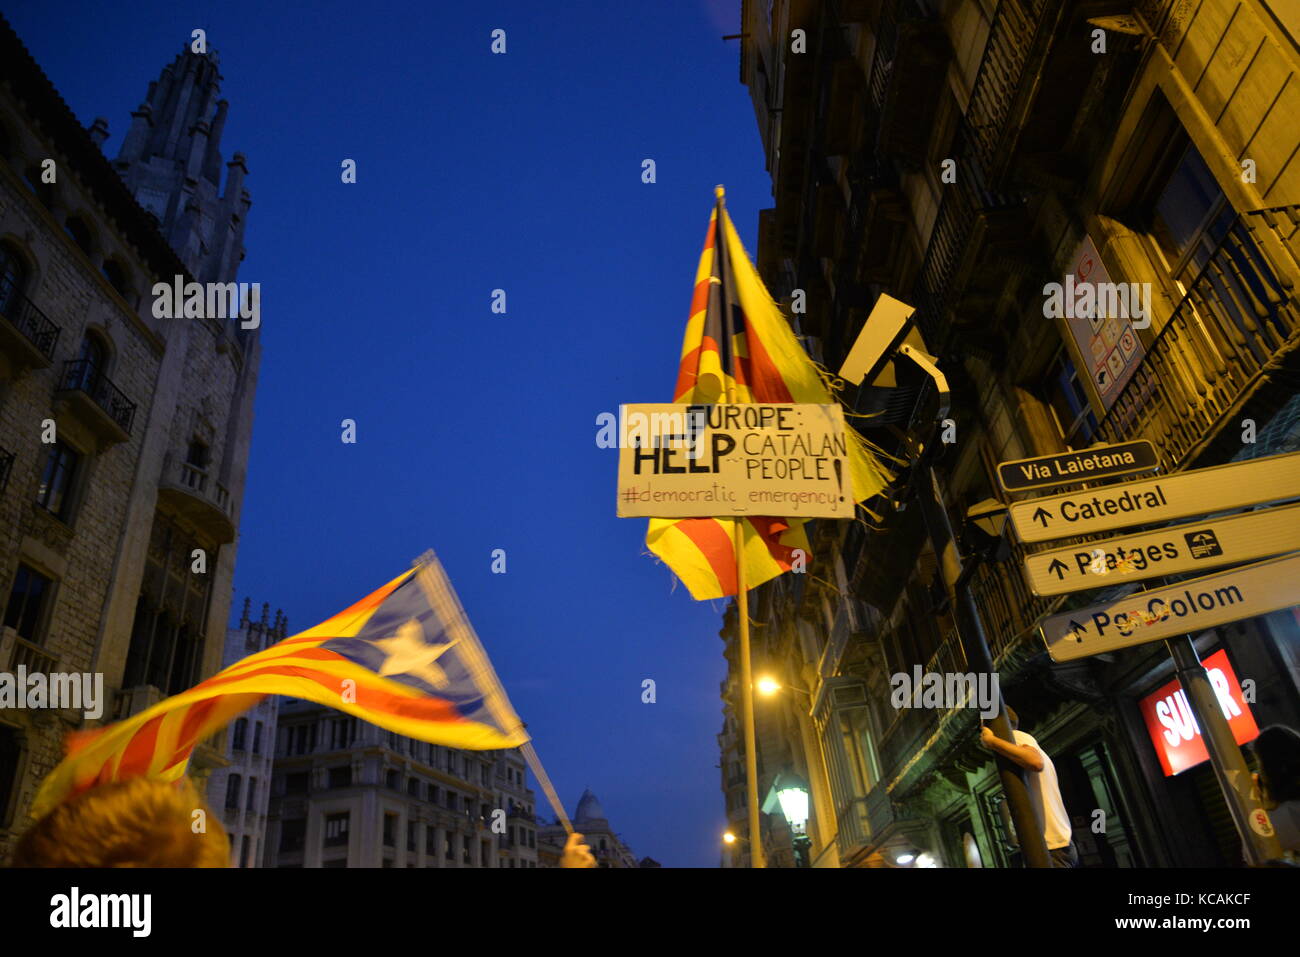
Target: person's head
x: 1278, y: 750
x: 1012, y: 717
x: 139, y: 822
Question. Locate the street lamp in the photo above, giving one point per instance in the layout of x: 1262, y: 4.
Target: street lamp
x: 790, y: 793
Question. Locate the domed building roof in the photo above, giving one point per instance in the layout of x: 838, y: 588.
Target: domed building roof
x: 589, y: 810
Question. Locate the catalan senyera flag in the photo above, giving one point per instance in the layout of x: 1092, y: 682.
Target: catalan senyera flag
x: 739, y: 348
x: 404, y: 657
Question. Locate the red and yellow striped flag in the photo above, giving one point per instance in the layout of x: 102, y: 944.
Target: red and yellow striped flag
x: 739, y: 348
x: 404, y: 657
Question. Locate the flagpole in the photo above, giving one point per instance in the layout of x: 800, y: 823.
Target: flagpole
x: 756, y: 858
x: 441, y: 597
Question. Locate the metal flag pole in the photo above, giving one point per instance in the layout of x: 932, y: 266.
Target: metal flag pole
x: 442, y: 599
x: 756, y: 858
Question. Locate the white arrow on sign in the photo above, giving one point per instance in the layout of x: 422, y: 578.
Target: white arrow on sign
x: 1217, y: 489
x: 1189, y: 606
x: 1207, y: 543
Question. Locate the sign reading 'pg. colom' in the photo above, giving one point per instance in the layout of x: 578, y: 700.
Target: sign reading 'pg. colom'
x: 1064, y: 468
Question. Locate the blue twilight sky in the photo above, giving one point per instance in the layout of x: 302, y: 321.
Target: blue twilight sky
x: 475, y: 431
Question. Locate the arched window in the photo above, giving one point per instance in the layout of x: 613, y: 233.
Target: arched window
x: 94, y: 352
x: 80, y: 233
x: 232, y: 791
x: 239, y: 742
x: 13, y: 279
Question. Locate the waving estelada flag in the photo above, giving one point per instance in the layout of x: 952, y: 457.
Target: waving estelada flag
x: 404, y: 658
x: 739, y: 348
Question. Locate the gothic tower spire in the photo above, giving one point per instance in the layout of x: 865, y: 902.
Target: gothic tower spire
x: 171, y: 160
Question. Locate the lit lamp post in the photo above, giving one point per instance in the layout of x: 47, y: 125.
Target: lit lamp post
x: 789, y: 792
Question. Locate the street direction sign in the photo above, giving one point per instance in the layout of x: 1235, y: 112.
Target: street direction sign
x: 1217, y: 489
x: 1203, y: 544
x: 1085, y: 465
x: 1187, y: 607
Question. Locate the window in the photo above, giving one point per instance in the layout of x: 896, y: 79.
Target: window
x: 57, y: 479
x: 340, y: 733
x: 336, y: 829
x: 413, y: 787
x: 232, y: 791
x: 449, y: 846
x: 1064, y: 392
x: 13, y: 282
x: 117, y: 277
x: 392, y: 779
x: 435, y: 794
x: 411, y: 830
x: 11, y: 752
x: 252, y: 794
x: 257, y: 738
x: 76, y: 228
x: 239, y: 739
x: 1190, y: 216
x: 341, y: 777
x: 465, y: 849
x: 245, y: 852
x: 171, y: 613
x: 296, y: 783
x: 293, y: 834
x: 28, y: 599
x: 430, y: 840
x: 43, y: 191
x: 390, y: 830
x: 198, y: 455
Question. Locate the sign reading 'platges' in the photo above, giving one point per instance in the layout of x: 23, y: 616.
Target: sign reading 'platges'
x: 697, y: 461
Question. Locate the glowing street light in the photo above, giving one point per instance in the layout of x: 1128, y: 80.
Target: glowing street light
x: 768, y: 686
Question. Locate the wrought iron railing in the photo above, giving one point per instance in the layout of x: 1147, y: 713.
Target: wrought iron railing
x: 35, y: 326
x: 976, y: 147
x: 1237, y: 314
x: 83, y: 376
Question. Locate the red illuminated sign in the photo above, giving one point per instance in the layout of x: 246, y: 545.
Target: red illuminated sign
x: 1174, y: 731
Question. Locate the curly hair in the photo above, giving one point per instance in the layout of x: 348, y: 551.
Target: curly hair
x: 139, y: 822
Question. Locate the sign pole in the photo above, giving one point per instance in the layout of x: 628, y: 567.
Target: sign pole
x: 756, y: 857
x: 1239, y: 791
x: 747, y: 700
x: 1029, y: 829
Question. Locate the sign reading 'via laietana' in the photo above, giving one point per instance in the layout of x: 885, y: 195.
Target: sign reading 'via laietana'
x: 694, y: 461
x: 1203, y: 544
x: 1187, y: 607
x: 1217, y: 489
x: 1085, y: 465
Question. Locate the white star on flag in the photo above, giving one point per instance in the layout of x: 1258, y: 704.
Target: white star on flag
x: 407, y: 653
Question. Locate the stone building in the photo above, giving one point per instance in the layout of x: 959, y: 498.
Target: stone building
x: 241, y: 791
x: 124, y: 438
x: 345, y: 793
x: 590, y: 821
x: 962, y: 157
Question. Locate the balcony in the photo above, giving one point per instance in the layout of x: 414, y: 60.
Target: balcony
x: 93, y: 398
x: 1238, y: 322
x: 17, y: 652
x: 190, y: 492
x: 27, y: 336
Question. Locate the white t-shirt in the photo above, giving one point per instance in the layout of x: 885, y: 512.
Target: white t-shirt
x: 1045, y: 795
